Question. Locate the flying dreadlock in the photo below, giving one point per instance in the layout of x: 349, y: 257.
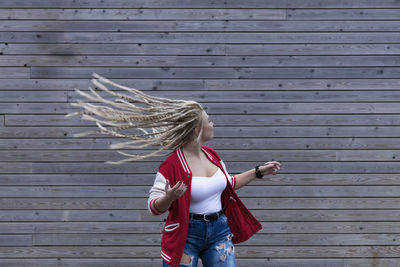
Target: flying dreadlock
x: 158, y: 121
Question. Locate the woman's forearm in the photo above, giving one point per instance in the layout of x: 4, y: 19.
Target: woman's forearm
x: 162, y: 204
x: 244, y: 178
x: 267, y: 168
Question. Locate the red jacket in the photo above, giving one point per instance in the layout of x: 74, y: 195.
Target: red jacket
x: 175, y: 168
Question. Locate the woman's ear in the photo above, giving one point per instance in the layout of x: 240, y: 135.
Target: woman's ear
x: 196, y: 131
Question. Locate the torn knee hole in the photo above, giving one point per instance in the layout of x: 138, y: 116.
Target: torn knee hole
x: 221, y: 245
x: 230, y: 249
x: 186, y: 259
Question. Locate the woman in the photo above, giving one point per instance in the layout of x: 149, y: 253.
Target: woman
x: 206, y: 217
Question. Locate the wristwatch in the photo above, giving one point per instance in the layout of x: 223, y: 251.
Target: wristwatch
x: 258, y: 173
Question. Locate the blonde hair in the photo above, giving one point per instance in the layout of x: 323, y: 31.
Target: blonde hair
x: 158, y: 121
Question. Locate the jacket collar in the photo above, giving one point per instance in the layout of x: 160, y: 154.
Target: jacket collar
x: 184, y: 163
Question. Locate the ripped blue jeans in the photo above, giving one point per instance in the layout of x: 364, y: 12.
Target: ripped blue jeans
x: 211, y: 242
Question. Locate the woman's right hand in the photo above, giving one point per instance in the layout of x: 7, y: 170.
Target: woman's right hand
x: 175, y: 192
x: 162, y: 204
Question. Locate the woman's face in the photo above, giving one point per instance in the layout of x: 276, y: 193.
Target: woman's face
x: 208, y: 128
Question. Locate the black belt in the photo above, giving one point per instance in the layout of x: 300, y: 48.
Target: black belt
x: 206, y: 217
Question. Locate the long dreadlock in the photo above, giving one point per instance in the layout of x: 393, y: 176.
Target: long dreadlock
x: 158, y: 121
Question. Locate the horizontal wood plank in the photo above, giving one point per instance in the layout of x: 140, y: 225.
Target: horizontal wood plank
x: 249, y: 191
x: 301, y: 215
x: 195, y: 4
x: 255, y: 96
x: 204, y: 38
x: 298, y: 167
x: 322, y: 203
x: 320, y: 251
x: 15, y: 240
x: 131, y: 215
x: 200, y: 49
x: 156, y: 227
x: 15, y: 73
x: 72, y: 203
x: 200, y: 14
x: 32, y: 96
x: 219, y: 120
x: 80, y: 252
x: 208, y: 84
x: 130, y: 13
x: 148, y: 179
x: 228, y: 109
x: 244, y: 252
x: 241, y: 262
x: 356, y: 48
x: 227, y: 155
x: 85, y: 179
x: 198, y: 26
x: 252, y: 203
x: 82, y: 262
x: 82, y: 227
x: 264, y: 215
x: 257, y: 240
x: 224, y: 132
x: 340, y: 14
x: 199, y: 61
x: 226, y: 73
x: 98, y: 239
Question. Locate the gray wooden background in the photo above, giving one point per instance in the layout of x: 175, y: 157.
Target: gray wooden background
x: 311, y: 83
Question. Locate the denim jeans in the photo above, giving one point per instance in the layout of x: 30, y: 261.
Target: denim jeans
x: 211, y: 241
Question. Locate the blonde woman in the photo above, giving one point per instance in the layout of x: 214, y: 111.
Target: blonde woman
x: 206, y: 217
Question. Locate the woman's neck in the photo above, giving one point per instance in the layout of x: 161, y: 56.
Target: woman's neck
x: 193, y: 149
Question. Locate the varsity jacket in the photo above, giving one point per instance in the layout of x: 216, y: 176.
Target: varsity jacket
x: 175, y: 168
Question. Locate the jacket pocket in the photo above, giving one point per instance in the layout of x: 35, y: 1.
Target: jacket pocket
x: 171, y: 227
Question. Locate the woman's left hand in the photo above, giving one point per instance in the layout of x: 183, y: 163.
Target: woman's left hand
x: 270, y: 167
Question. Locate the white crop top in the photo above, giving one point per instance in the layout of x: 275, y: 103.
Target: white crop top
x: 206, y: 193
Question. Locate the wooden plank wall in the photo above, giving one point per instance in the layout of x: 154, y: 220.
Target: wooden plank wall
x: 310, y: 83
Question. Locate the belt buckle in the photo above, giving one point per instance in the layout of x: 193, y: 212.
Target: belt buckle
x: 205, y: 218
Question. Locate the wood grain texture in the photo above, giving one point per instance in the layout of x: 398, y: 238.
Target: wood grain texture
x: 242, y: 262
x: 313, y: 84
x: 195, y: 4
x: 142, y: 49
x: 227, y: 73
x: 328, y: 108
x: 202, y: 37
x: 265, y: 85
x: 250, y: 156
x: 199, y: 26
x: 138, y: 14
x: 199, y: 61
x: 220, y: 120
